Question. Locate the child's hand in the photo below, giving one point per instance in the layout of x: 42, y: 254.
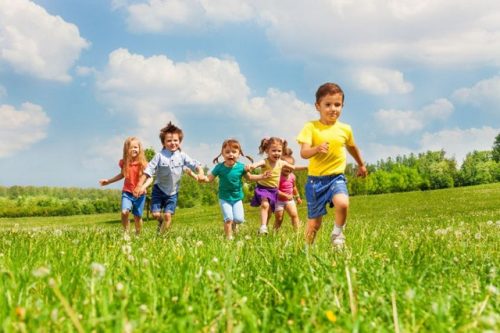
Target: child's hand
x: 138, y: 191
x: 267, y: 174
x: 362, y: 171
x: 298, y: 200
x: 103, y: 182
x: 323, y: 148
x: 249, y: 168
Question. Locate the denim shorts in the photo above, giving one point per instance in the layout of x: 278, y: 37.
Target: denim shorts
x: 320, y: 191
x: 131, y: 203
x: 232, y: 211
x: 161, y: 201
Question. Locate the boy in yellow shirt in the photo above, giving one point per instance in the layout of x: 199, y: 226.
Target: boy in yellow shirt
x: 322, y: 142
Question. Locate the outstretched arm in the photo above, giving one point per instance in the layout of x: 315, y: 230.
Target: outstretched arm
x: 262, y: 176
x: 116, y: 178
x: 142, y: 185
x: 355, y: 153
x: 253, y: 166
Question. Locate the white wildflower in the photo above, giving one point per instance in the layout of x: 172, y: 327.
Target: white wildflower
x: 189, y: 309
x: 119, y: 287
x: 58, y: 232
x: 54, y: 315
x: 126, y: 237
x: 240, y: 244
x: 126, y: 249
x: 199, y: 243
x: 179, y: 240
x: 214, y: 259
x: 98, y: 269
x: 490, y: 222
x: 410, y: 294
x: 41, y: 272
x: 130, y: 258
x: 145, y: 261
x: 492, y: 289
x: 247, y: 237
x: 477, y: 236
x: 175, y: 299
x: 143, y: 308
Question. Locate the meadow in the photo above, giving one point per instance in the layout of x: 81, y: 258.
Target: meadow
x: 414, y: 262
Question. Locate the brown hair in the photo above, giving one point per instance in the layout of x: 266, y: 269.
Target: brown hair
x: 127, y: 159
x: 232, y: 143
x: 171, y: 128
x: 266, y: 142
x: 287, y: 155
x: 328, y: 89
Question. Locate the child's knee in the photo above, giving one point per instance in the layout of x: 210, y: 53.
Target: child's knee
x: 125, y: 212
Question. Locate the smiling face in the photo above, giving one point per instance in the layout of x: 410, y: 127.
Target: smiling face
x: 172, y: 141
x: 330, y: 108
x: 274, y: 151
x: 230, y: 155
x: 134, y: 149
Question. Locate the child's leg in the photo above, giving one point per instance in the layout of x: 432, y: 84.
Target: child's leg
x: 278, y: 219
x: 341, y: 203
x: 264, y: 211
x: 125, y: 220
x: 138, y: 224
x: 291, y: 209
x: 228, y: 216
x: 167, y: 221
x: 312, y: 229
x: 238, y: 215
x: 228, y: 229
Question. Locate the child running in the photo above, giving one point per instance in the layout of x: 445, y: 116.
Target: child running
x: 230, y: 185
x: 287, y: 194
x: 266, y: 191
x: 131, y: 165
x: 322, y: 142
x: 167, y: 166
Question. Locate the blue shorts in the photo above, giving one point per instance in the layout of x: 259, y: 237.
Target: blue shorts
x: 131, y: 203
x: 320, y: 191
x: 161, y: 201
x: 232, y: 211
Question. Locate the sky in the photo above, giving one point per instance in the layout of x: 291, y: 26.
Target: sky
x: 78, y: 77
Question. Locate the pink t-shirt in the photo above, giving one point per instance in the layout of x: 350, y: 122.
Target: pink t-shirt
x: 134, y: 172
x: 287, y: 183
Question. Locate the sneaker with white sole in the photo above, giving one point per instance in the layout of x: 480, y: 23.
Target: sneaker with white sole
x: 263, y: 230
x: 338, y: 239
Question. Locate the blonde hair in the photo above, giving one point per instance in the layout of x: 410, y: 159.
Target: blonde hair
x: 127, y: 159
x: 232, y: 143
x: 267, y: 142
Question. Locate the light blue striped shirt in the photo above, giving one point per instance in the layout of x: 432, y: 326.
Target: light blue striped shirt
x: 167, y: 166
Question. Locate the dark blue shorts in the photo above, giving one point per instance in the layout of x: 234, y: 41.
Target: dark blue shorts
x: 131, y: 203
x: 161, y: 201
x: 320, y: 191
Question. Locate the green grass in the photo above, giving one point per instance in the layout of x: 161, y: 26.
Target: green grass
x: 415, y: 262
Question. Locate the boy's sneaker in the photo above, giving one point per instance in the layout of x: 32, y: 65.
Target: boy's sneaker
x: 263, y: 230
x: 338, y: 239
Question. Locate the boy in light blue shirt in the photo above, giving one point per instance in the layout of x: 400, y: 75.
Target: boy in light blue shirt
x: 167, y: 166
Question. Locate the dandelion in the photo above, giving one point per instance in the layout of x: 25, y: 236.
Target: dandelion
x: 199, y: 243
x: 189, y: 309
x: 58, y: 232
x: 98, y: 269
x: 331, y: 316
x: 490, y: 222
x: 214, y: 259
x: 130, y: 258
x: 21, y: 313
x: 477, y: 236
x: 126, y: 237
x: 492, y: 289
x: 247, y: 237
x: 143, y: 308
x: 41, y: 272
x: 240, y: 244
x: 179, y: 240
x: 119, y: 287
x: 126, y: 249
x: 145, y: 261
x: 410, y: 294
x: 175, y: 299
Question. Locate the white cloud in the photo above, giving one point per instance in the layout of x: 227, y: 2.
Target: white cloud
x: 381, y: 81
x: 36, y: 43
x: 19, y: 129
x: 484, y: 93
x: 168, y: 15
x: 441, y: 33
x: 151, y: 91
x: 458, y: 142
x: 406, y: 122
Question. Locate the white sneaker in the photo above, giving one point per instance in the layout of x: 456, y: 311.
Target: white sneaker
x: 263, y: 230
x: 338, y: 239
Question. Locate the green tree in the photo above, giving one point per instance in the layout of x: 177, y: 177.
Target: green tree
x: 478, y: 168
x: 496, y: 149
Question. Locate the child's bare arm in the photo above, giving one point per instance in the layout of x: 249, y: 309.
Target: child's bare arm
x: 116, y: 178
x: 190, y: 173
x: 143, y: 183
x: 307, y: 151
x: 262, y: 176
x: 253, y: 166
x: 207, y: 179
x: 355, y: 153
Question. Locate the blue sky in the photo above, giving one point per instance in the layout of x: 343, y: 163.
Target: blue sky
x: 78, y: 77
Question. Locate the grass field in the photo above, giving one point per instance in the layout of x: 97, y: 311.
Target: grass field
x: 414, y: 262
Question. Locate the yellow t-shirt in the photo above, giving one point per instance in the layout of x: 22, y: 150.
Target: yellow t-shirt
x: 274, y: 180
x: 337, y: 135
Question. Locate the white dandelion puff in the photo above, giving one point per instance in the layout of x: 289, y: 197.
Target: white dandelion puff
x: 126, y: 249
x: 98, y: 269
x: 41, y: 272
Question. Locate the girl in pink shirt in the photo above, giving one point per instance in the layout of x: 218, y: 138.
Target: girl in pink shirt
x: 132, y: 165
x: 287, y: 194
